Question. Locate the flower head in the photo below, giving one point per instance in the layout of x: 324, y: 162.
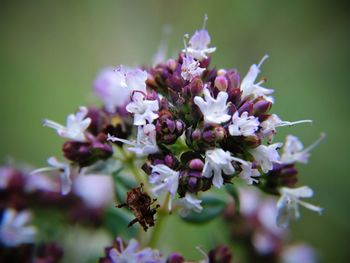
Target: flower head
x: 213, y: 110
x: 268, y: 127
x: 288, y: 204
x: 142, y: 109
x: 244, y: 125
x: 199, y: 42
x: 293, y: 150
x: 76, y: 125
x: 146, y: 142
x: 217, y: 162
x: 165, y: 180
x: 248, y: 173
x: 114, y: 86
x: 132, y: 253
x: 254, y: 90
x: 190, y: 203
x: 14, y: 229
x: 266, y: 155
x: 66, y: 172
x: 190, y: 68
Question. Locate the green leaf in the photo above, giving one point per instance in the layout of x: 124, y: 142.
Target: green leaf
x: 212, y: 207
x: 117, y: 220
x: 232, y: 190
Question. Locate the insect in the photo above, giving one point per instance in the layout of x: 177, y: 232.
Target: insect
x: 140, y: 203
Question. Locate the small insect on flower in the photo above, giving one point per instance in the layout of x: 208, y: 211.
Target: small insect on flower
x: 140, y: 203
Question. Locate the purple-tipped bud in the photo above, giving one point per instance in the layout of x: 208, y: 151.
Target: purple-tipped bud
x: 168, y: 129
x: 196, y: 164
x: 262, y: 107
x: 87, y: 153
x: 221, y: 83
x: 175, y: 258
x: 247, y: 106
x: 220, y: 254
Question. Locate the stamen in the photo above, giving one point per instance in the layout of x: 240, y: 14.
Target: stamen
x: 44, y: 169
x: 203, y: 253
x: 116, y: 139
x: 263, y: 60
x: 205, y: 21
x: 311, y: 206
x: 316, y: 143
x: 291, y: 123
x: 186, y: 36
x: 52, y: 124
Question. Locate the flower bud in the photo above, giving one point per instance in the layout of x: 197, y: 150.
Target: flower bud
x: 220, y: 254
x: 175, y: 258
x: 262, y: 107
x: 87, y: 153
x: 168, y: 129
x: 221, y: 83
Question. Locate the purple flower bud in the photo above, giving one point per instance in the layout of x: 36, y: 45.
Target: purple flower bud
x: 196, y: 164
x: 220, y: 254
x: 247, y: 106
x: 262, y: 107
x: 175, y: 258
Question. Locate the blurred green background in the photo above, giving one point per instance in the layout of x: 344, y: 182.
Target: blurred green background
x: 50, y: 52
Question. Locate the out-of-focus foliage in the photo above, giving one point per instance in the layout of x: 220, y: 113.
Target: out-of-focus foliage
x: 51, y: 51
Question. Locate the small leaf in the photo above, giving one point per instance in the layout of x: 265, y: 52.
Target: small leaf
x: 212, y: 207
x: 232, y: 190
x: 117, y: 220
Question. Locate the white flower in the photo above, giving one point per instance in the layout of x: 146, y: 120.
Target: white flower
x: 254, y: 90
x: 142, y: 109
x: 76, y: 125
x: 248, y: 173
x: 216, y: 162
x: 288, y: 204
x: 165, y: 180
x: 14, y: 229
x: 146, y: 142
x: 132, y: 254
x: 213, y: 110
x: 244, y: 125
x: 66, y: 172
x: 268, y: 127
x: 293, y: 150
x: 199, y: 42
x: 95, y: 190
x: 190, y: 68
x: 115, y: 86
x: 299, y: 253
x: 190, y: 203
x: 266, y: 155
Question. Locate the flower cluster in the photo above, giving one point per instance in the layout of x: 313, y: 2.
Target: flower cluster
x: 197, y: 127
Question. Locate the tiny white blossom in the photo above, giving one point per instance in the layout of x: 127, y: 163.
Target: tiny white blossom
x: 268, y: 127
x: 299, y: 253
x: 76, y: 125
x: 254, y: 90
x: 248, y: 173
x: 132, y: 253
x: 190, y: 203
x: 66, y: 171
x: 190, y: 68
x: 199, y: 42
x: 115, y: 86
x: 146, y: 142
x: 265, y: 156
x: 14, y: 229
x: 165, y: 180
x: 288, y: 204
x: 293, y: 150
x: 244, y: 125
x: 213, y: 110
x: 142, y: 109
x: 216, y: 162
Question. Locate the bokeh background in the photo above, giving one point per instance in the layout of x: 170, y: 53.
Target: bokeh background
x: 50, y: 52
